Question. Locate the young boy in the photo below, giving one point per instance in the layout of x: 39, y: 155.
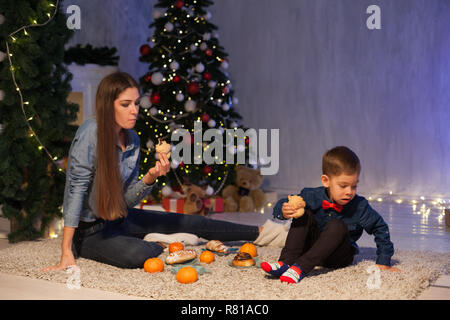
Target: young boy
x: 333, y: 220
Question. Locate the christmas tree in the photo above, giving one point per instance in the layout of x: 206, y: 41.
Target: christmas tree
x: 186, y: 85
x: 34, y: 114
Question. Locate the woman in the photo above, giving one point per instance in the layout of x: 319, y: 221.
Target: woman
x: 102, y: 188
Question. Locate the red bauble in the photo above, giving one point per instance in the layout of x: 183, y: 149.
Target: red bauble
x: 207, y: 76
x: 179, y: 4
x: 209, y: 52
x: 176, y: 79
x: 205, y: 117
x: 193, y: 88
x: 181, y: 165
x: 144, y: 50
x: 225, y: 90
x: 148, y: 78
x: 247, y: 141
x: 155, y: 98
x: 207, y: 169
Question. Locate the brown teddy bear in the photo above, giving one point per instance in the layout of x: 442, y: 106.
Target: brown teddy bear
x: 245, y: 195
x: 193, y: 203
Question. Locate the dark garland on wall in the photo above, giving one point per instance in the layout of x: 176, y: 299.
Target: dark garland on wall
x: 102, y: 56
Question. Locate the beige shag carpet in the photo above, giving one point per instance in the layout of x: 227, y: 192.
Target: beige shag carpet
x: 223, y: 282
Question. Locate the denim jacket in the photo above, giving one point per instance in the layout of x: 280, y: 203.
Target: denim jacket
x: 358, y: 215
x: 79, y: 194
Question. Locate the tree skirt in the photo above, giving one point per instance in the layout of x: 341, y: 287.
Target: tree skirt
x: 221, y: 281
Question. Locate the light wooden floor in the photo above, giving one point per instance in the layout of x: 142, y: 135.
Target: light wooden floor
x: 419, y: 226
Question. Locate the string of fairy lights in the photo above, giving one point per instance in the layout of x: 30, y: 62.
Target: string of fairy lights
x: 14, y: 38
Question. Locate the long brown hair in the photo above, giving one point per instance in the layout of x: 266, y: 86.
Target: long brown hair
x: 108, y: 179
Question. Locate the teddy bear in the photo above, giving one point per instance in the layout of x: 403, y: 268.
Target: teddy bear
x: 193, y: 203
x: 244, y: 195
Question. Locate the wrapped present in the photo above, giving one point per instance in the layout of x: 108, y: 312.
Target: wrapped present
x: 210, y: 205
x: 214, y: 204
x: 173, y: 205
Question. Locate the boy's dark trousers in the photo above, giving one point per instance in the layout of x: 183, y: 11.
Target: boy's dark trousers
x: 308, y: 247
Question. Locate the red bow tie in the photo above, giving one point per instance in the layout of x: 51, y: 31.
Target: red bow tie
x: 328, y: 205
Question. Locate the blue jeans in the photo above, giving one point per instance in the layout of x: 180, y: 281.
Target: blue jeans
x: 119, y: 242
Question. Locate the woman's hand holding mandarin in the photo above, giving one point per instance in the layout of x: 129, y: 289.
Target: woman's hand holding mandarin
x: 161, y: 167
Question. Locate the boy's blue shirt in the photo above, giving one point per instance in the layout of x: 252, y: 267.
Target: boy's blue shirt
x: 358, y: 215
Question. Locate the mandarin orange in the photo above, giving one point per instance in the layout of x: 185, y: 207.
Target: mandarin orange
x: 175, y: 246
x: 153, y: 265
x: 187, y: 275
x: 207, y: 257
x: 250, y: 248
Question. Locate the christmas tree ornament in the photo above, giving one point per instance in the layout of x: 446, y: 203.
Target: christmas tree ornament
x: 174, y: 164
x: 232, y: 149
x: 207, y: 16
x: 157, y: 14
x: 148, y: 77
x: 174, y: 65
x: 206, y: 36
x: 207, y: 169
x: 155, y: 98
x: 157, y: 78
x: 211, y: 123
x: 190, y: 105
x: 212, y: 84
x: 192, y: 47
x: 203, y: 46
x: 179, y: 97
x: 168, y: 27
x: 166, y: 191
x: 205, y: 117
x: 224, y: 64
x: 144, y: 50
x: 150, y: 144
x: 225, y: 107
x: 176, y: 79
x: 209, y: 190
x: 209, y: 52
x: 145, y: 102
x: 193, y: 88
x: 179, y: 4
x: 199, y: 67
x: 153, y: 111
x: 207, y: 76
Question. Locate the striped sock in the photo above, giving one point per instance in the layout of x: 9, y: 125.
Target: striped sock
x: 275, y: 269
x: 293, y: 275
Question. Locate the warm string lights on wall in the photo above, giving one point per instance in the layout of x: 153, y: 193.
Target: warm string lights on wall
x: 420, y: 205
x: 15, y: 38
